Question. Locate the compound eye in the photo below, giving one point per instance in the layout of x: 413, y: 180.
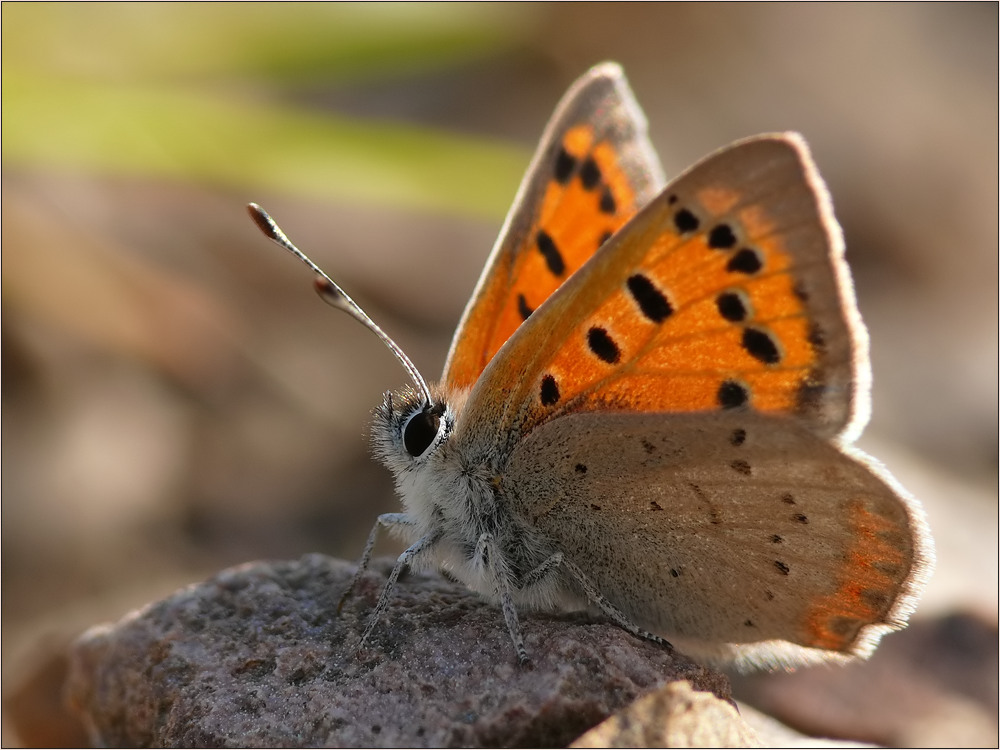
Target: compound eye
x: 420, y: 431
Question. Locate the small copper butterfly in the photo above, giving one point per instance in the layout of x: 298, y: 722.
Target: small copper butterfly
x: 649, y: 403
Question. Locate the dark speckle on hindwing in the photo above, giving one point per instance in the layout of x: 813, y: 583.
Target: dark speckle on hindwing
x: 741, y: 467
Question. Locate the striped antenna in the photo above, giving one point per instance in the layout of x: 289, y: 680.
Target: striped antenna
x: 333, y: 295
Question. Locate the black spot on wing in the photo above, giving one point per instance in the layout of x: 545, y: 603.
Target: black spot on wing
x: 608, y: 205
x: 549, y: 391
x: 685, y: 221
x: 746, y: 261
x: 590, y: 174
x: 523, y: 309
x: 721, y: 237
x: 652, y: 302
x: 553, y: 258
x: 602, y: 345
x: 760, y: 344
x: 732, y: 395
x: 731, y: 307
x: 565, y: 166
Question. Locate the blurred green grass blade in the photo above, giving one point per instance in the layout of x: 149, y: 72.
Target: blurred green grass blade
x: 301, y: 43
x: 153, y: 90
x: 251, y: 146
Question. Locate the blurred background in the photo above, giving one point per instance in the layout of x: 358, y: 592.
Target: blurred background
x: 177, y: 400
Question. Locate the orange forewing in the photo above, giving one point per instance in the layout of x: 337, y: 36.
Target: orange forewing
x: 702, y: 302
x: 594, y: 169
x: 679, y: 365
x: 572, y: 219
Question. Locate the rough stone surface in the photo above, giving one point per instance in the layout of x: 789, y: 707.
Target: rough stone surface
x: 258, y: 656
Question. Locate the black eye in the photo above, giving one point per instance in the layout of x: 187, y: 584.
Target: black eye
x: 420, y: 430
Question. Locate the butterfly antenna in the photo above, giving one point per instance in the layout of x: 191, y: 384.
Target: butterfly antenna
x: 332, y: 294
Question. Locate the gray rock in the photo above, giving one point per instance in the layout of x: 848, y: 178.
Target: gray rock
x: 258, y: 656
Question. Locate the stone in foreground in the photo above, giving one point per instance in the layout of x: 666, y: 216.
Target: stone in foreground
x: 258, y: 656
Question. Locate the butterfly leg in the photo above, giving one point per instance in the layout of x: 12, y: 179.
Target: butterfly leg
x: 486, y: 556
x: 513, y: 624
x: 539, y: 574
x: 609, y: 609
x: 402, y: 562
x: 385, y: 520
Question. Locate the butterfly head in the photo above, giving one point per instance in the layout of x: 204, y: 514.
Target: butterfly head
x: 406, y: 429
x: 412, y: 438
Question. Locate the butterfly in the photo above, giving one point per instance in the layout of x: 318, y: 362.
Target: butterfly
x: 649, y: 404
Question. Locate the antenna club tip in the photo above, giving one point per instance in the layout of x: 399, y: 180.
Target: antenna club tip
x: 261, y: 219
